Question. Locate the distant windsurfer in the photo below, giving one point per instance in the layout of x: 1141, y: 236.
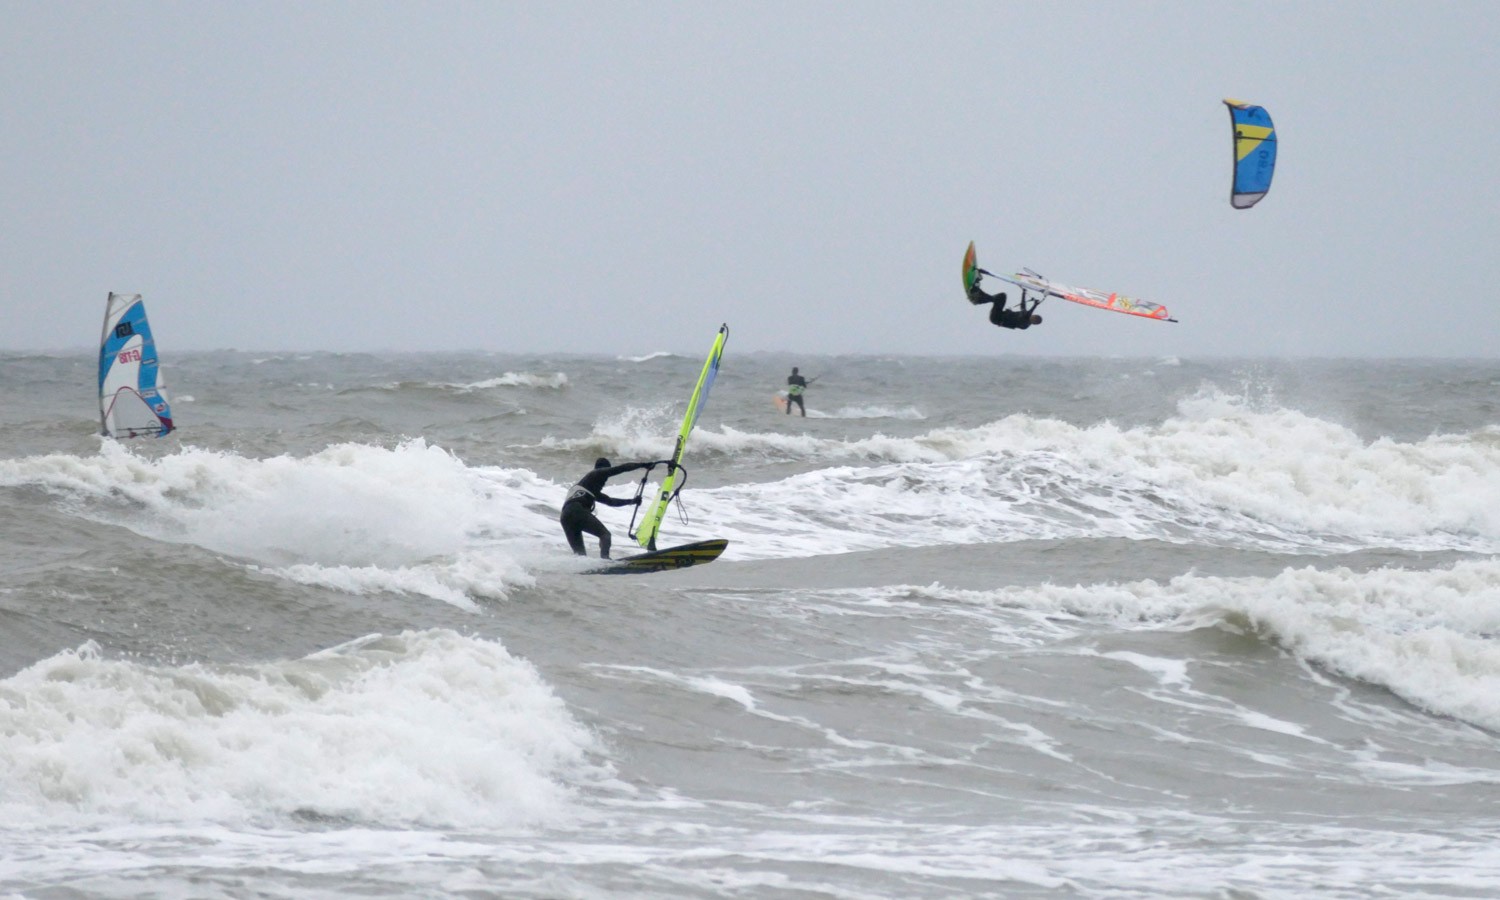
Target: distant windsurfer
x: 795, y: 385
x: 999, y: 315
x: 578, y: 509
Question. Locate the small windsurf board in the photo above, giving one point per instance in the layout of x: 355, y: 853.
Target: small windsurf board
x: 679, y: 557
x: 971, y: 268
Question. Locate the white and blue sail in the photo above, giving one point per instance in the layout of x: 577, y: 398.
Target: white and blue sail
x: 132, y: 397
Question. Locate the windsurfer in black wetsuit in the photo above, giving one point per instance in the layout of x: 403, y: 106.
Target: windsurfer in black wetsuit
x: 578, y: 509
x: 795, y: 385
x: 999, y: 315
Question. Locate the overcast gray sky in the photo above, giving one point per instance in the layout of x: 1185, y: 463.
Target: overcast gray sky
x: 622, y: 177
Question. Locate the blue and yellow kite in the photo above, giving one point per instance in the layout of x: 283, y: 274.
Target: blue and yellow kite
x: 1254, y: 153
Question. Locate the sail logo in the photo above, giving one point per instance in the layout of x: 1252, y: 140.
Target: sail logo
x: 128, y: 356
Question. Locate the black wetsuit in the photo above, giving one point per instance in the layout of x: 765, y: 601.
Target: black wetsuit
x: 578, y: 510
x: 999, y: 315
x: 796, y: 384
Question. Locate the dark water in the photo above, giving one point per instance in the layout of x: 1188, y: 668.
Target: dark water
x: 1102, y: 628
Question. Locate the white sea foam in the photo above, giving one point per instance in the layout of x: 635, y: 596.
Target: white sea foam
x: 660, y: 354
x: 708, y: 684
x: 458, y: 581
x: 415, y: 518
x: 1278, y: 476
x: 354, y: 517
x: 644, y: 431
x: 551, y: 380
x: 1042, y: 496
x: 1218, y: 473
x: 1427, y: 636
x: 632, y: 433
x: 1167, y: 671
x: 868, y: 412
x: 422, y: 727
x: 516, y: 379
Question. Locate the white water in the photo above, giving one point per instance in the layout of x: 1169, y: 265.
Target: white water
x: 1239, y: 647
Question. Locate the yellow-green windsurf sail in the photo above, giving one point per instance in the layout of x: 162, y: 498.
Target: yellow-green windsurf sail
x: 646, y: 535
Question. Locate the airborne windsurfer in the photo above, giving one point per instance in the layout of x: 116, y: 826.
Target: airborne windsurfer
x: 999, y: 315
x: 578, y: 509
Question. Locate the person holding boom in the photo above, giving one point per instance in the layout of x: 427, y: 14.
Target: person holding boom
x: 795, y: 385
x: 1021, y: 318
x: 577, y: 514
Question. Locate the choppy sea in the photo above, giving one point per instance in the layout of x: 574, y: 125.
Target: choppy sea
x: 986, y: 627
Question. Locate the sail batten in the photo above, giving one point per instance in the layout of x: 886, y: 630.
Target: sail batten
x: 646, y: 534
x: 132, y: 396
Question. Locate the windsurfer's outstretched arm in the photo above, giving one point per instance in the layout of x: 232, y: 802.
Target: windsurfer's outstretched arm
x: 577, y: 516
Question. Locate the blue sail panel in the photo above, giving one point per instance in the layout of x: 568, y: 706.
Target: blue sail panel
x: 1254, y: 152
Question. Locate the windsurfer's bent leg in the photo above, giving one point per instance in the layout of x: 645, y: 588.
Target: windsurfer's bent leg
x: 595, y: 527
x: 572, y: 527
x: 997, y: 312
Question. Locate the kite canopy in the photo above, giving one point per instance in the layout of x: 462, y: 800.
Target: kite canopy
x: 1254, y: 152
